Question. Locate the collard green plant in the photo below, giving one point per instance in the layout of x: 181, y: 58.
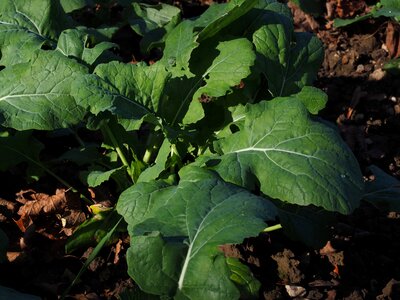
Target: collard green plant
x: 205, y: 141
x: 384, y: 8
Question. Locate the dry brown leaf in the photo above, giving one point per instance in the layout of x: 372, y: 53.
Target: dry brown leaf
x: 43, y: 203
x: 393, y: 39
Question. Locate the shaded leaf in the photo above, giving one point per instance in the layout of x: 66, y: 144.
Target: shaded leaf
x: 77, y: 43
x: 96, y: 177
x: 244, y: 279
x: 227, y: 70
x: 384, y: 191
x: 179, y: 44
x: 288, y: 65
x: 14, y: 150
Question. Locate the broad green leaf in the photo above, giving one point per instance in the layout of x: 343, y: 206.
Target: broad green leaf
x: 291, y: 157
x: 141, y: 83
x: 383, y: 191
x: 18, y: 44
x: 393, y: 66
x: 100, y: 96
x: 14, y: 150
x: 186, y: 224
x: 45, y: 18
x: 71, y: 5
x: 288, y: 66
x: 227, y: 70
x: 217, y: 19
x: 37, y: 95
x: 97, y: 177
x: 82, y: 155
x: 243, y: 278
x: 77, y: 43
x: 179, y: 44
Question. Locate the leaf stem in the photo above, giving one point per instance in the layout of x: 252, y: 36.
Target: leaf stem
x: 272, y: 228
x: 120, y: 153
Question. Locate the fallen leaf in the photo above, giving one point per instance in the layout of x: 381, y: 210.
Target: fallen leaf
x: 42, y: 203
x: 393, y: 39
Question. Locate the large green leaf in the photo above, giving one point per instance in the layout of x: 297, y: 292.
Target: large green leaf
x: 291, y: 60
x: 141, y: 83
x: 291, y: 157
x: 37, y: 94
x: 45, y: 18
x: 186, y: 224
x: 17, y: 44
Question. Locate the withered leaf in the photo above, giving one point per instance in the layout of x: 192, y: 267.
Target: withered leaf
x: 42, y: 203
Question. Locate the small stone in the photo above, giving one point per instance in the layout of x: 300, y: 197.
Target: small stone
x: 295, y: 291
x: 377, y: 75
x: 360, y: 69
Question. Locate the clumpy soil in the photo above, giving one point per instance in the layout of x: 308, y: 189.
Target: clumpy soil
x: 361, y: 259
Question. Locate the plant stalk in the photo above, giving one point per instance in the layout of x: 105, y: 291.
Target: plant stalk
x: 120, y: 153
x: 272, y: 228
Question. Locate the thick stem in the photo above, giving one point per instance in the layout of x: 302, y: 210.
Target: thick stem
x: 120, y: 153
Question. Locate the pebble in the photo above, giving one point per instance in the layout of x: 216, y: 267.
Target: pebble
x: 377, y: 75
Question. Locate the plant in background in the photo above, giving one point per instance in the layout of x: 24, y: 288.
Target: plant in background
x: 208, y: 143
x: 384, y: 8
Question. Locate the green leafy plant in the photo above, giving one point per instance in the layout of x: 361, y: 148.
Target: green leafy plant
x: 384, y: 8
x: 208, y: 143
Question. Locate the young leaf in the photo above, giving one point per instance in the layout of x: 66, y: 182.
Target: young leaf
x: 227, y: 70
x: 187, y: 223
x: 96, y: 177
x: 313, y: 99
x: 37, y: 95
x: 145, y: 18
x: 288, y: 66
x: 75, y: 43
x: 219, y: 18
x: 384, y: 191
x: 179, y: 44
x: 291, y: 157
x: 71, y: 5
